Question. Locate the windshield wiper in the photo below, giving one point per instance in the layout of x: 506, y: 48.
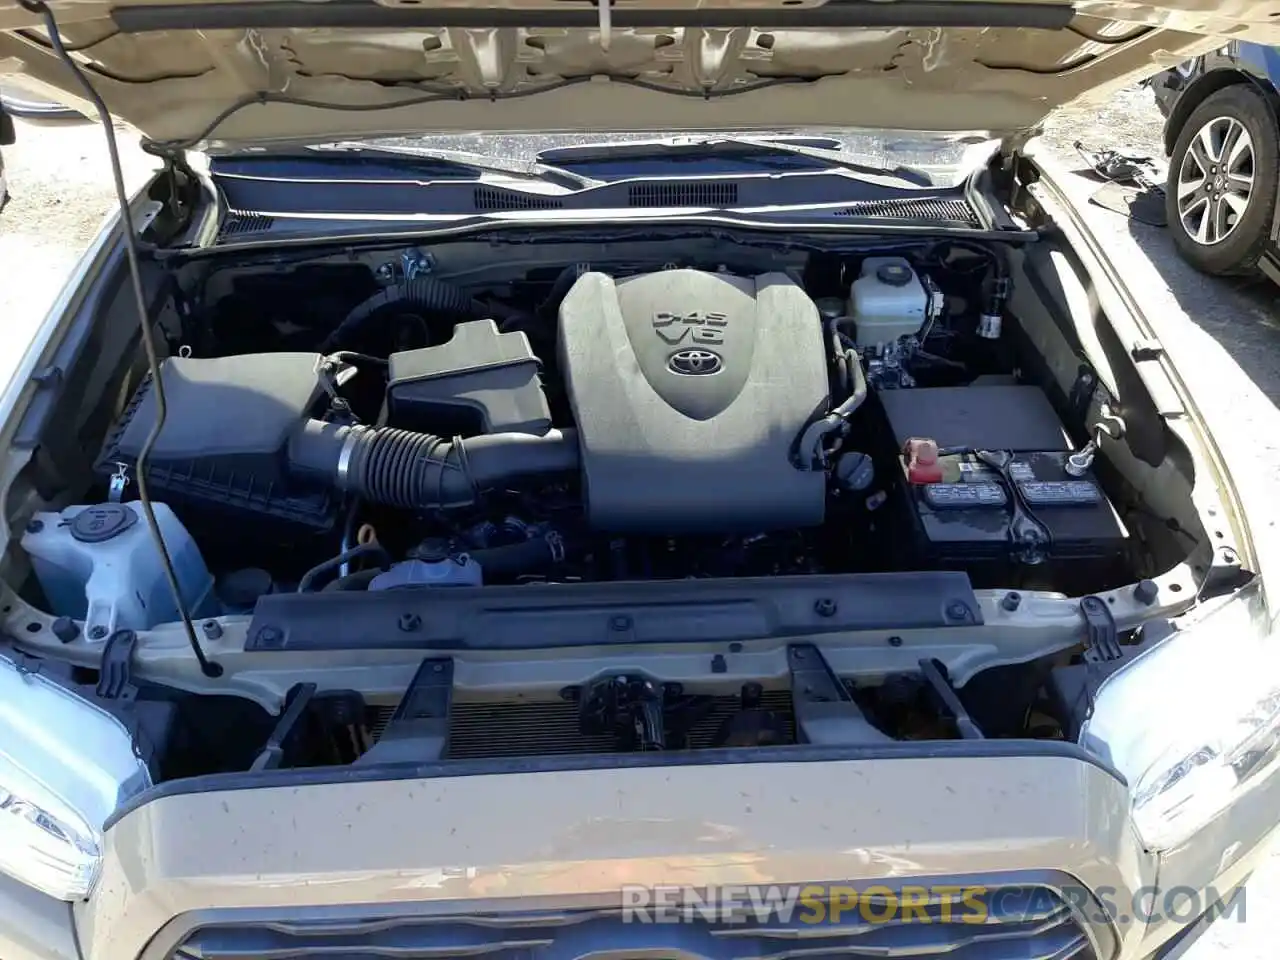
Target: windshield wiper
x: 760, y: 150
x: 425, y: 160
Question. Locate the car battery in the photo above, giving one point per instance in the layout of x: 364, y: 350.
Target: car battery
x: 962, y: 511
x: 968, y: 512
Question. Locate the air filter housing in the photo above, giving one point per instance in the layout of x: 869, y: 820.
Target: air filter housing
x: 223, y: 444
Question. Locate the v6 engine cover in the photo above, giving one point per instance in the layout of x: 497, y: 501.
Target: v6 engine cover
x: 689, y: 390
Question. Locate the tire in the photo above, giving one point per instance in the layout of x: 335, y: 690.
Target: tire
x: 1221, y: 223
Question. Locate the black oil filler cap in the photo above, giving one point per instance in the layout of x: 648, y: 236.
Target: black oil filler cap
x: 102, y: 522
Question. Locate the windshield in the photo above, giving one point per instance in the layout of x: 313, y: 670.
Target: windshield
x: 941, y: 160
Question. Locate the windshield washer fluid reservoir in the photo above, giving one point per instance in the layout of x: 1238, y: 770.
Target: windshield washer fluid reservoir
x: 887, y: 301
x: 99, y: 563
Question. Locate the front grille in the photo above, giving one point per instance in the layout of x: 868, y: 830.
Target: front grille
x: 497, y: 198
x: 708, y: 194
x: 550, y: 727
x: 1022, y: 923
x: 934, y: 209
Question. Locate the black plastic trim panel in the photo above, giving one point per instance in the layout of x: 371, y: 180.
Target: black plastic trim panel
x: 533, y: 617
x: 283, y: 14
x: 393, y: 195
x: 787, y: 229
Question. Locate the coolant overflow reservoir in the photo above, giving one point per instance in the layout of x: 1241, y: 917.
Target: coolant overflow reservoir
x: 457, y: 571
x: 99, y: 563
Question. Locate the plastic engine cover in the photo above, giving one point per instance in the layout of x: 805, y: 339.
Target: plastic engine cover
x: 689, y: 390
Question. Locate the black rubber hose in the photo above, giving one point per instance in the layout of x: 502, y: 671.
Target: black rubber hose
x: 353, y: 581
x: 509, y: 560
x: 811, y: 447
x: 858, y: 387
x: 399, y: 468
x: 308, y: 581
x: 513, y: 559
x: 424, y: 294
x: 560, y: 287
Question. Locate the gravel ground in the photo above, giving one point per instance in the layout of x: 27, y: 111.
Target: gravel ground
x: 1225, y: 335
x: 60, y: 191
x: 1127, y: 121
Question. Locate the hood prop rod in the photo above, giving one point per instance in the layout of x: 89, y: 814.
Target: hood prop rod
x: 130, y: 235
x: 606, y: 24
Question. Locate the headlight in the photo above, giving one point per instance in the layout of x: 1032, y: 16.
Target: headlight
x: 1194, y: 721
x: 65, y: 766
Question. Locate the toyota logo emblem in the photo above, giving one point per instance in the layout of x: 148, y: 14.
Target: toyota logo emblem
x: 694, y: 363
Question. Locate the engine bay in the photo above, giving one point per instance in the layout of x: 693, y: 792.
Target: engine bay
x: 777, y: 479
x: 601, y: 424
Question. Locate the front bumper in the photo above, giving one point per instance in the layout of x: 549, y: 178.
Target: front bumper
x: 563, y: 840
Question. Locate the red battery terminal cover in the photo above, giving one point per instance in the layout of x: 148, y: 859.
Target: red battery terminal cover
x: 921, y: 457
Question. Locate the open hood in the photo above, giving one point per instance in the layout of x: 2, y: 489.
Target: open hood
x: 190, y: 72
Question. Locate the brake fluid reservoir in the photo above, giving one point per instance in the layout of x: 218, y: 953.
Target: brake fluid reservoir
x: 99, y: 563
x: 887, y: 301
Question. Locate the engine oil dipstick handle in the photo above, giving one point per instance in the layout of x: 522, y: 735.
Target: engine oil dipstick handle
x: 1109, y: 425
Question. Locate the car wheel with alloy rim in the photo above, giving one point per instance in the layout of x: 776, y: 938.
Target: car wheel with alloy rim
x: 1222, y: 182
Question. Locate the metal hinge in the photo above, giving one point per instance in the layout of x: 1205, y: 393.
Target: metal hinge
x: 175, y: 171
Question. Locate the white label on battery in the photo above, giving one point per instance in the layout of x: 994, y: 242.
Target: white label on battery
x: 975, y: 470
x: 1060, y: 493
x: 952, y: 496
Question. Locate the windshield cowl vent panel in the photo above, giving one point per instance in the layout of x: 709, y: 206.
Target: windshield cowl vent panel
x: 934, y: 209
x: 240, y: 222
x: 497, y: 198
x: 703, y: 194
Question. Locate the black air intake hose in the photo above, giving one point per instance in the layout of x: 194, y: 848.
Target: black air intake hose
x: 400, y: 468
x: 512, y: 559
x: 423, y: 294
